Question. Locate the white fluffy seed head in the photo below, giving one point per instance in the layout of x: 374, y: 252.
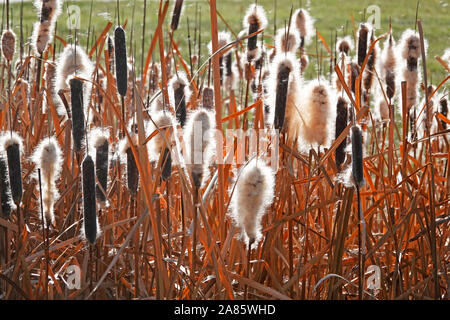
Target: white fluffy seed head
x: 253, y: 194
x: 223, y: 38
x: 164, y: 121
x: 285, y: 43
x: 8, y: 44
x: 344, y: 44
x: 175, y: 83
x: 199, y: 137
x: 319, y: 115
x: 304, y: 23
x: 409, y: 45
x: 255, y: 14
x: 446, y: 56
x: 97, y: 137
x: 9, y: 138
x: 47, y: 156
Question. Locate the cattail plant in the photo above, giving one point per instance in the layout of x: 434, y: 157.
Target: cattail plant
x: 13, y: 145
x: 341, y: 124
x: 253, y: 194
x: 43, y: 30
x: 304, y: 24
x: 357, y: 156
x: 76, y: 95
x: 48, y: 158
x: 223, y: 39
x: 179, y: 93
x: 344, y: 45
x: 176, y: 14
x: 163, y: 121
x: 72, y: 61
x: 283, y: 86
x: 363, y: 33
x: 110, y: 52
x: 166, y: 170
x: 254, y: 20
x: 353, y: 75
x: 7, y: 204
x: 128, y: 157
x: 287, y: 42
x: 443, y: 103
x: 388, y: 65
x: 198, y: 137
x: 318, y: 114
x: 208, y: 98
x: 120, y: 54
x: 8, y: 44
x: 99, y: 140
x: 89, y: 200
x: 153, y: 78
x: 369, y: 70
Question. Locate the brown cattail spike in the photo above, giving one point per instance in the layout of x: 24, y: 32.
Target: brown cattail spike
x: 180, y: 104
x: 8, y: 44
x: 281, y: 94
x: 166, y: 170
x: 357, y: 156
x: 120, y: 52
x: 132, y: 173
x: 176, y: 14
x: 89, y: 200
x: 341, y: 124
x: 76, y: 93
x: 208, y: 98
x: 5, y: 191
x: 101, y: 168
x: 444, y: 110
x: 15, y: 172
x: 362, y: 43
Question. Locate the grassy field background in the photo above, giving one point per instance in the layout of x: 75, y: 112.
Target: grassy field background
x: 329, y: 15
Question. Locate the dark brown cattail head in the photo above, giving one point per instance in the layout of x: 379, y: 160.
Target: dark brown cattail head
x: 344, y: 45
x: 354, y: 69
x: 101, y: 168
x: 89, y: 200
x: 176, y: 15
x: 8, y: 44
x: 180, y: 105
x: 110, y: 52
x: 369, y: 70
x: 15, y: 172
x: 281, y: 95
x: 254, y: 20
x: 390, y: 84
x: 120, y: 52
x: 362, y: 43
x: 228, y: 64
x: 5, y: 191
x: 132, y: 173
x: 444, y: 110
x: 208, y: 98
x: 341, y: 124
x: 76, y: 96
x: 166, y: 170
x: 357, y: 156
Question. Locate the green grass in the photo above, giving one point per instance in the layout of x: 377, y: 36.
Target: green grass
x: 329, y: 15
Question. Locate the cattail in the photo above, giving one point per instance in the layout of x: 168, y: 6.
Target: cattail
x: 153, y: 79
x: 253, y: 194
x: 354, y: 73
x: 8, y: 44
x: 73, y: 61
x: 223, y: 39
x: 48, y: 157
x: 208, y: 98
x: 176, y: 15
x: 370, y: 66
x: 166, y: 170
x: 344, y: 45
x: 383, y: 108
x: 99, y: 140
x: 198, y: 137
x: 318, y: 114
x: 388, y: 65
x: 283, y: 92
x: 89, y: 200
x: 357, y: 156
x: 444, y: 110
x: 164, y: 121
x: 43, y: 30
x: 12, y: 144
x: 254, y: 20
x: 5, y: 191
x: 287, y: 42
x: 120, y: 54
x: 76, y: 95
x: 128, y: 157
x: 110, y: 52
x: 304, y: 23
x: 341, y: 124
x: 179, y: 94
x: 362, y: 43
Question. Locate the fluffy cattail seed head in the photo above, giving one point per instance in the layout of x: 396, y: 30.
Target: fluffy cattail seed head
x: 304, y: 23
x: 12, y: 144
x: 253, y: 194
x: 76, y: 95
x: 344, y: 45
x: 165, y: 123
x: 5, y: 191
x: 254, y: 20
x: 176, y: 14
x: 179, y: 94
x: 357, y: 156
x: 285, y: 42
x: 98, y: 139
x: 89, y: 200
x: 8, y: 44
x: 120, y: 53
